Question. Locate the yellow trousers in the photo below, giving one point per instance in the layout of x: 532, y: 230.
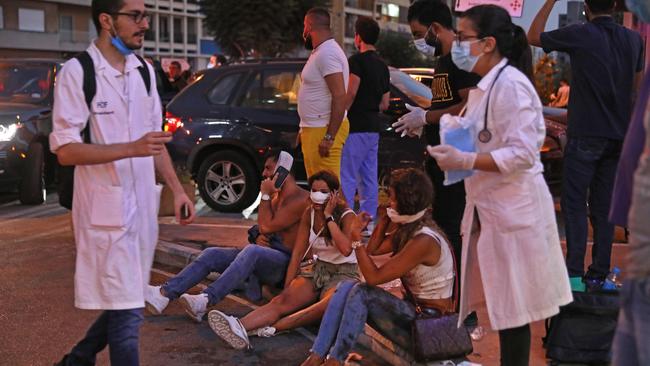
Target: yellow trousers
x: 310, y: 138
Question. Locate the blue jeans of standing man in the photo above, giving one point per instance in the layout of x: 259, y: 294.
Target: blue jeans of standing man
x: 632, y: 341
x: 588, y: 177
x: 117, y: 329
x: 359, y: 170
x: 354, y: 303
x: 235, y: 266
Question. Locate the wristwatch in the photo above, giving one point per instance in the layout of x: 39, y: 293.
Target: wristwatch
x: 329, y: 219
x: 328, y: 137
x: 266, y: 197
x: 356, y: 244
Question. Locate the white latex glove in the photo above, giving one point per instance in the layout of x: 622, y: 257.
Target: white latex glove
x: 409, y: 123
x: 450, y: 158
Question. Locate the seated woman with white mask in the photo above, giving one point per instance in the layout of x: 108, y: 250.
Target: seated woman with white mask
x: 422, y: 258
x: 324, y: 231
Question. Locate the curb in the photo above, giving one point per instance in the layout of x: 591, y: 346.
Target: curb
x: 179, y: 256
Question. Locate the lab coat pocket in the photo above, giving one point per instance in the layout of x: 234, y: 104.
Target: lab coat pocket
x: 514, y: 206
x: 107, y: 207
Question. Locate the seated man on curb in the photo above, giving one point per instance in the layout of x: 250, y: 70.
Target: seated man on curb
x: 265, y: 261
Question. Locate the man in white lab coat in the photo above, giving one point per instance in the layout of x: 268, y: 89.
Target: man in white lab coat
x: 116, y: 198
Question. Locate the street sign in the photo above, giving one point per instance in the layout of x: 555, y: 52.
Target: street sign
x: 514, y: 7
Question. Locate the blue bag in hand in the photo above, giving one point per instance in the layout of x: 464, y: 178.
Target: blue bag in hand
x: 453, y: 133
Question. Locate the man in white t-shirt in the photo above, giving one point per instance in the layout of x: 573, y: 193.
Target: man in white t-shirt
x: 321, y: 100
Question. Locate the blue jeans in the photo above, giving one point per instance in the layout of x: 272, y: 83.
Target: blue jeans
x: 588, y: 177
x: 236, y: 266
x: 119, y: 329
x: 354, y: 303
x: 359, y: 170
x: 632, y: 341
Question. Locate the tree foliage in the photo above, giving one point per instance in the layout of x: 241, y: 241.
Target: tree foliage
x: 257, y: 28
x: 398, y: 51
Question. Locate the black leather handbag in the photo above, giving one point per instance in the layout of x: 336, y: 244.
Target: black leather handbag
x: 437, y: 337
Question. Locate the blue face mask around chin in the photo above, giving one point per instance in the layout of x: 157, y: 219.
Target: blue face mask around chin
x: 641, y: 8
x: 120, y: 46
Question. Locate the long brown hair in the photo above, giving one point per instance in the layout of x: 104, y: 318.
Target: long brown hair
x: 413, y: 193
x: 341, y: 206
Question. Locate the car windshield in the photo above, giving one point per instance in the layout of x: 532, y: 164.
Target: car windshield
x: 413, y: 89
x: 25, y: 83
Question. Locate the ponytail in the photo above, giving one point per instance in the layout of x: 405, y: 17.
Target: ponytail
x: 494, y: 21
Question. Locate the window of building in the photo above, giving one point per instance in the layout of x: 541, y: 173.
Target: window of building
x: 92, y: 31
x: 2, y: 19
x: 274, y: 90
x: 191, y: 30
x: 350, y: 21
x: 223, y: 89
x: 65, y: 28
x: 164, y: 28
x: 32, y: 20
x: 390, y: 12
x: 178, y: 30
x: 150, y: 34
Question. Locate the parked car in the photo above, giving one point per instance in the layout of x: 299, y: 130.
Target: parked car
x: 26, y: 98
x: 421, y: 74
x: 230, y: 117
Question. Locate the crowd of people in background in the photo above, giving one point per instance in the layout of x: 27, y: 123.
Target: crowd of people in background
x: 492, y: 233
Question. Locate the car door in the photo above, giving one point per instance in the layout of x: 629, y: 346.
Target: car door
x: 268, y: 105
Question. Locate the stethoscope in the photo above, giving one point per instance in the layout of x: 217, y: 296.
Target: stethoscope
x: 485, y: 135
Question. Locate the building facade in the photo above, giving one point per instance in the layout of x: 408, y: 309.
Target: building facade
x: 391, y: 15
x: 62, y: 28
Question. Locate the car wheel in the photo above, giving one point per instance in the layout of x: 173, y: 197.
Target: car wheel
x: 32, y: 185
x: 228, y: 181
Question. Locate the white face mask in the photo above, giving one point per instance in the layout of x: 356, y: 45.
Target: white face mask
x: 395, y: 217
x: 461, y: 55
x: 422, y: 46
x: 318, y: 197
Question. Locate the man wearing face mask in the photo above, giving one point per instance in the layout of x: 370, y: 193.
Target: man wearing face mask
x: 606, y: 61
x: 321, y: 99
x: 431, y: 26
x: 116, y: 198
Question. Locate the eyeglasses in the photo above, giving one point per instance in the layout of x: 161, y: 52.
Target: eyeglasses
x: 137, y: 16
x: 461, y: 38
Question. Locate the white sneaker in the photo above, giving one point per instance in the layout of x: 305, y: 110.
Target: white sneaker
x: 229, y: 329
x: 154, y: 301
x: 195, y: 305
x: 264, y: 332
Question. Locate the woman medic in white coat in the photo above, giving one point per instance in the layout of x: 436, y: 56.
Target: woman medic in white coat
x: 512, y: 261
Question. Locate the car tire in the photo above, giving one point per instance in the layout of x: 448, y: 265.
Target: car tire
x: 228, y: 181
x: 32, y: 185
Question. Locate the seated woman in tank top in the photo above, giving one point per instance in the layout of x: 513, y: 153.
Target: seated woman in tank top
x: 324, y: 233
x: 421, y: 258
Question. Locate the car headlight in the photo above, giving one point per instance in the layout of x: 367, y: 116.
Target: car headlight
x: 7, y: 132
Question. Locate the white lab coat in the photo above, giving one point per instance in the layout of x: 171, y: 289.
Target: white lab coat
x: 513, y: 264
x: 115, y: 204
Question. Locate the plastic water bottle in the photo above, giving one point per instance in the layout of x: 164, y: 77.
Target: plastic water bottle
x: 612, y: 282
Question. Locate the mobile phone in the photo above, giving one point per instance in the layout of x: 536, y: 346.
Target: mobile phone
x: 282, y: 168
x: 185, y: 212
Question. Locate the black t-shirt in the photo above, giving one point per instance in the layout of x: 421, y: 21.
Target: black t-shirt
x: 447, y: 81
x: 374, y: 83
x: 604, y: 60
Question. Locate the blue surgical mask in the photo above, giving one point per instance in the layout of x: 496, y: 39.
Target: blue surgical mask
x: 120, y: 45
x: 462, y: 57
x: 422, y: 46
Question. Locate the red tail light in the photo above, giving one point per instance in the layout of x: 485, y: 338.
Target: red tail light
x: 172, y: 123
